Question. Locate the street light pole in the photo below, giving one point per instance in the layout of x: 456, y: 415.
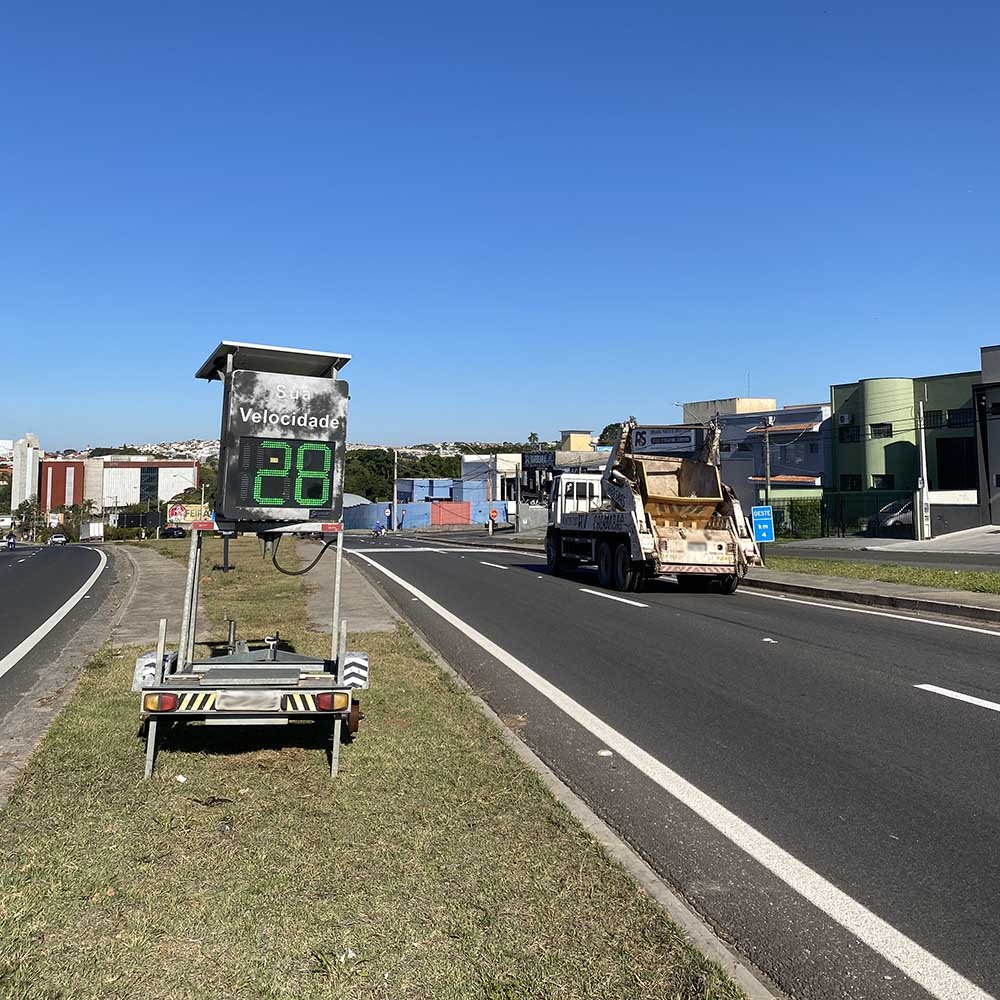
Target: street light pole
x: 395, y: 489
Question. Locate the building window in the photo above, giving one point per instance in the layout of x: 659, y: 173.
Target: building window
x: 744, y: 446
x: 849, y: 435
x: 884, y: 482
x: 996, y: 480
x: 995, y: 409
x: 725, y: 446
x: 783, y: 453
x: 880, y: 430
x: 813, y: 447
x: 933, y: 418
x: 850, y: 482
x: 961, y: 418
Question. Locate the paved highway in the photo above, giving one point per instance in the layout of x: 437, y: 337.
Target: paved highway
x: 45, y: 593
x: 819, y: 782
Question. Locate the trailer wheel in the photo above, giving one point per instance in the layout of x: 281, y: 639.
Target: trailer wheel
x: 552, y: 559
x: 625, y: 573
x: 605, y: 565
x: 729, y: 583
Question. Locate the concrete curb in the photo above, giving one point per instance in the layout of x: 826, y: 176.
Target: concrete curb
x: 699, y: 932
x: 970, y: 612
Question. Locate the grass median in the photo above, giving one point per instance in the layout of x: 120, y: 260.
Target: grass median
x: 978, y: 581
x: 435, y: 865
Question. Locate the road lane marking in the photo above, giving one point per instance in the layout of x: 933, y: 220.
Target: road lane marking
x: 27, y: 645
x: 938, y: 979
x: 612, y: 597
x: 958, y: 696
x: 869, y: 611
x: 482, y: 562
x: 21, y: 560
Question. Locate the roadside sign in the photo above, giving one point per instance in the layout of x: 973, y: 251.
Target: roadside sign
x: 388, y: 513
x: 763, y: 523
x: 493, y: 514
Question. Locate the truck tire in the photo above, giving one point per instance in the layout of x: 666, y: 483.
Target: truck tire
x: 552, y: 557
x: 624, y: 572
x: 605, y: 565
x: 728, y: 583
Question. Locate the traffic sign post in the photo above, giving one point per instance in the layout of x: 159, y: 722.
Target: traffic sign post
x: 763, y: 525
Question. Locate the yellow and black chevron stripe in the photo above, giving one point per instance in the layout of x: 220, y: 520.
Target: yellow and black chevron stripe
x: 196, y: 701
x: 299, y: 702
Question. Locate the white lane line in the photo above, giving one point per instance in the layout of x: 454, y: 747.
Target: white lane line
x: 958, y: 696
x: 482, y: 562
x: 27, y: 645
x: 869, y: 611
x: 937, y: 978
x: 612, y: 597
x: 22, y: 560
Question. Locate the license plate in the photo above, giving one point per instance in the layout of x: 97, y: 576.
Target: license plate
x: 248, y: 701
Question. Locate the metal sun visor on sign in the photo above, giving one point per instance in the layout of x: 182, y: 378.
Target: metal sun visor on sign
x: 284, y: 440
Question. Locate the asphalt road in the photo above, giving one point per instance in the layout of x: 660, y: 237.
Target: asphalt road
x: 772, y: 759
x: 35, y: 584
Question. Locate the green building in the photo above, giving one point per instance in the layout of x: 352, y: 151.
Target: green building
x: 875, y: 433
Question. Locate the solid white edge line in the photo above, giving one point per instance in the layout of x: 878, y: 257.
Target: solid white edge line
x: 937, y: 978
x: 958, y: 696
x: 869, y: 611
x: 613, y: 597
x: 482, y: 562
x: 28, y: 644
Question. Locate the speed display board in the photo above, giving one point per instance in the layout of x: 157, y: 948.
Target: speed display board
x: 282, y: 448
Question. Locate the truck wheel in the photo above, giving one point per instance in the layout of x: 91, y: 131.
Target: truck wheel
x: 552, y: 559
x: 729, y: 583
x: 605, y: 565
x: 624, y: 573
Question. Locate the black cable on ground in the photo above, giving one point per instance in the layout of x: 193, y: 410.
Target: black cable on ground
x: 297, y: 572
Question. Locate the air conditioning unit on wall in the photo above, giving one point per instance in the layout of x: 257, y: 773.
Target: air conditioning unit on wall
x: 845, y: 418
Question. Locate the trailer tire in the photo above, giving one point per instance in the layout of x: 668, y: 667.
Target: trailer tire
x: 624, y: 572
x: 605, y: 565
x: 552, y: 558
x: 729, y: 583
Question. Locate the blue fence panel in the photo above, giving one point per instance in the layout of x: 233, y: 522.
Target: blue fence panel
x: 480, y: 512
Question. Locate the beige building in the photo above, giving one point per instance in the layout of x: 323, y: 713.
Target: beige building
x: 576, y: 441
x: 703, y: 411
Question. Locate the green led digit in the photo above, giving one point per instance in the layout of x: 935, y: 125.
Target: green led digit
x: 258, y: 483
x: 304, y: 474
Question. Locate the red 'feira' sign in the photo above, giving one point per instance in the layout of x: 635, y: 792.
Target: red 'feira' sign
x: 331, y: 528
x: 203, y: 525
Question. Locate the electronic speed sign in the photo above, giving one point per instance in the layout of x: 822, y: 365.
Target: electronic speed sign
x: 281, y: 454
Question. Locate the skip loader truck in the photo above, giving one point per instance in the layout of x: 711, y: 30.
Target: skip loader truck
x: 659, y: 508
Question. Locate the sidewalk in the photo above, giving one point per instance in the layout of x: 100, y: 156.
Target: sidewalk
x: 874, y: 593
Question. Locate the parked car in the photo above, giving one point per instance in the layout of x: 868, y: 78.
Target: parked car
x: 895, y: 518
x: 57, y: 538
x: 173, y: 532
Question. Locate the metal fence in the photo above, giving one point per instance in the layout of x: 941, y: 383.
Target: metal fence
x: 871, y: 513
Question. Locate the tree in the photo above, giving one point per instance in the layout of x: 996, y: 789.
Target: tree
x: 27, y: 516
x: 533, y: 440
x: 610, y: 434
x: 5, y: 491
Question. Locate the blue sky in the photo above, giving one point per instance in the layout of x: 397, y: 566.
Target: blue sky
x: 516, y: 217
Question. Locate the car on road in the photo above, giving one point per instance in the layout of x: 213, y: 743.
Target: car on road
x: 895, y: 518
x: 172, y: 532
x: 58, y: 538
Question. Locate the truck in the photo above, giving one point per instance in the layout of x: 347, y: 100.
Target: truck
x: 659, y: 508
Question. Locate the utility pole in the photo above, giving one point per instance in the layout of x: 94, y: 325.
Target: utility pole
x: 922, y: 525
x: 517, y: 523
x: 768, y: 421
x: 395, y: 490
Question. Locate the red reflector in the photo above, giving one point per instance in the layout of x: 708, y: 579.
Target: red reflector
x: 324, y: 701
x: 168, y: 701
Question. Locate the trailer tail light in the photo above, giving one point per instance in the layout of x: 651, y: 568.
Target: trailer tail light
x: 165, y: 701
x: 333, y: 701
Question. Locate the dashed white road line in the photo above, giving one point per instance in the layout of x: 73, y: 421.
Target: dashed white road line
x: 27, y: 645
x: 958, y: 696
x: 936, y: 977
x: 869, y: 611
x: 482, y: 562
x: 612, y: 597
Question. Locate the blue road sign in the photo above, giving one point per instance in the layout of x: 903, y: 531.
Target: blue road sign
x: 763, y: 523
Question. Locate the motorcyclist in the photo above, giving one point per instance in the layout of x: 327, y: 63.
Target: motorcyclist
x: 11, y: 540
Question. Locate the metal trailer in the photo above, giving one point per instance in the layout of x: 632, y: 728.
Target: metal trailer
x: 270, y: 685
x: 654, y: 511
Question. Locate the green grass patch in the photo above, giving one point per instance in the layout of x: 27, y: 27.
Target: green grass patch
x: 435, y: 865
x: 978, y: 581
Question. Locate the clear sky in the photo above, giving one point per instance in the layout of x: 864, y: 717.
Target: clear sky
x: 517, y: 217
